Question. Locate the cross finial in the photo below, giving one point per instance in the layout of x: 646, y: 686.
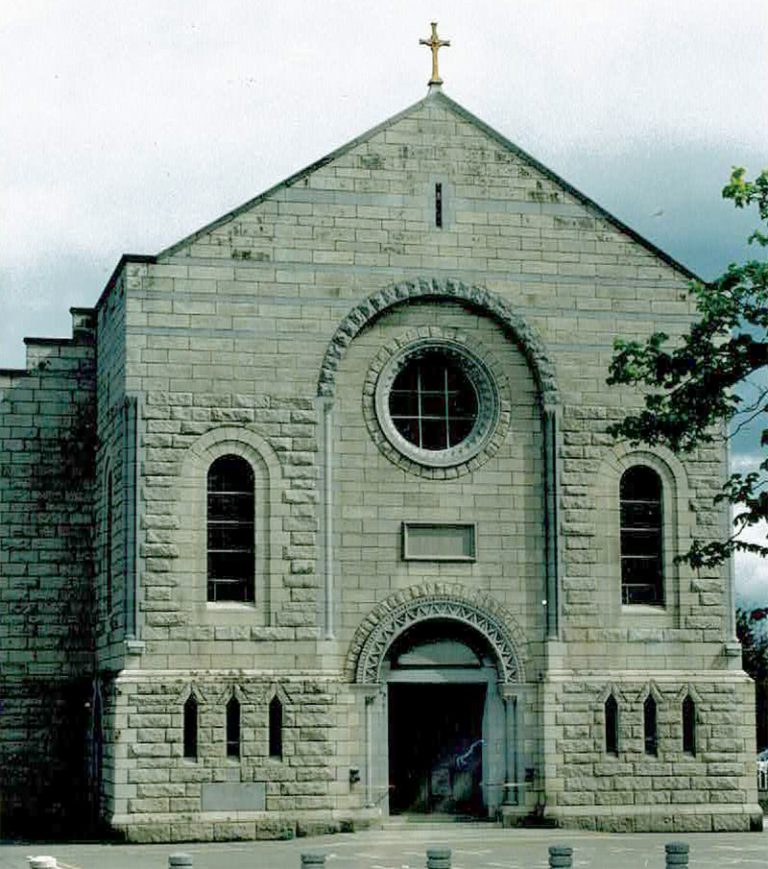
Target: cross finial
x: 435, y: 43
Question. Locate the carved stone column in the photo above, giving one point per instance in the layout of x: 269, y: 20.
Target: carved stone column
x: 509, y: 694
x: 370, y: 694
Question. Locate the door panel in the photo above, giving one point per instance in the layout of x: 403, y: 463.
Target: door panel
x: 436, y: 748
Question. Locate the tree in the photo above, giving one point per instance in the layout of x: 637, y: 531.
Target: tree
x: 697, y: 385
x: 752, y: 631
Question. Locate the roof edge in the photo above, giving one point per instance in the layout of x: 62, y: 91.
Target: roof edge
x: 575, y: 192
x: 122, y: 262
x: 296, y: 177
x: 435, y: 95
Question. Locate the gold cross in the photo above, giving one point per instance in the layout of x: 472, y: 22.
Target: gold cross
x: 435, y: 43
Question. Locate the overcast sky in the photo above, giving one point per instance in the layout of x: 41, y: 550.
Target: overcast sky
x: 124, y: 126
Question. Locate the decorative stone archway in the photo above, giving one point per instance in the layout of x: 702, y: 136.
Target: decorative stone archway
x: 367, y: 667
x: 478, y: 297
x: 435, y: 601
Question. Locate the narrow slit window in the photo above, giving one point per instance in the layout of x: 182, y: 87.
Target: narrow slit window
x: 233, y: 727
x: 611, y: 726
x: 689, y: 725
x: 438, y: 205
x: 642, y: 573
x: 190, y: 728
x: 650, y: 727
x: 276, y: 728
x: 231, y: 546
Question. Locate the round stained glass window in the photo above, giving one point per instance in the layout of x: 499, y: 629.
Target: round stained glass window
x: 432, y: 402
x: 436, y: 402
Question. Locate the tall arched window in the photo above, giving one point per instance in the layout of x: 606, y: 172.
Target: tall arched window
x: 642, y: 569
x: 190, y: 728
x: 231, y: 548
x: 650, y: 726
x: 233, y: 727
x: 611, y: 726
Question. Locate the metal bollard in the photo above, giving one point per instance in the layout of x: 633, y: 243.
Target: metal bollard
x: 180, y: 861
x: 560, y: 857
x: 438, y: 858
x: 677, y: 855
x: 312, y: 860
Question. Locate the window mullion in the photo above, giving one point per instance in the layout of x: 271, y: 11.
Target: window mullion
x: 447, y: 418
x: 419, y: 405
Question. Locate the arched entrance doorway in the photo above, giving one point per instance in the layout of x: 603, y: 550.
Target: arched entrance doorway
x: 441, y: 677
x: 445, y: 721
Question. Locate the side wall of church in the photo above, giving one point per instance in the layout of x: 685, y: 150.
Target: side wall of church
x: 110, y: 549
x: 46, y: 571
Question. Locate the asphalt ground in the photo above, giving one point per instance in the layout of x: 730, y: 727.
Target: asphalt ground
x: 474, y: 846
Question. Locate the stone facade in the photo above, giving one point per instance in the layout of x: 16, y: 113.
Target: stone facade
x: 267, y: 339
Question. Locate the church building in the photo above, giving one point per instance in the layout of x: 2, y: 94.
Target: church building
x: 315, y: 521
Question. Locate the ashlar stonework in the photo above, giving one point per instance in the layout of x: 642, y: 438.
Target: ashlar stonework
x: 215, y: 624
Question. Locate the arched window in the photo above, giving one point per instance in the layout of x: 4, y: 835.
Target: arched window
x: 650, y: 727
x: 231, y: 548
x: 108, y: 566
x: 611, y: 726
x: 276, y: 728
x: 689, y: 725
x: 642, y: 570
x: 190, y: 728
x: 233, y: 727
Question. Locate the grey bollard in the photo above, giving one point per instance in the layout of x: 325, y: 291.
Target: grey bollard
x: 312, y: 860
x: 438, y: 858
x: 560, y: 857
x: 677, y: 855
x: 180, y: 861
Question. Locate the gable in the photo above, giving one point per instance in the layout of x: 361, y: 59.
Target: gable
x: 485, y: 179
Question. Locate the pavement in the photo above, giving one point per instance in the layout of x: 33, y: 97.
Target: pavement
x: 403, y: 846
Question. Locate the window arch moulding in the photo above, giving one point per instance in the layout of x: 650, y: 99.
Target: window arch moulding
x: 436, y: 601
x: 192, y: 514
x: 494, y: 305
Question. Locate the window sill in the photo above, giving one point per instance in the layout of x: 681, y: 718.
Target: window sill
x: 643, y: 609
x: 646, y: 623
x: 224, y: 605
x: 228, y: 613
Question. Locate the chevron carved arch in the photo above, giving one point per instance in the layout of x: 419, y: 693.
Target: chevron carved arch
x: 427, y: 602
x: 477, y: 297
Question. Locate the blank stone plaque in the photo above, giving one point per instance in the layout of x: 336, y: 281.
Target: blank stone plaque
x: 439, y: 541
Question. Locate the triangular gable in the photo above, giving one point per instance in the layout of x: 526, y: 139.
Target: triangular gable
x: 292, y: 179
x: 436, y: 97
